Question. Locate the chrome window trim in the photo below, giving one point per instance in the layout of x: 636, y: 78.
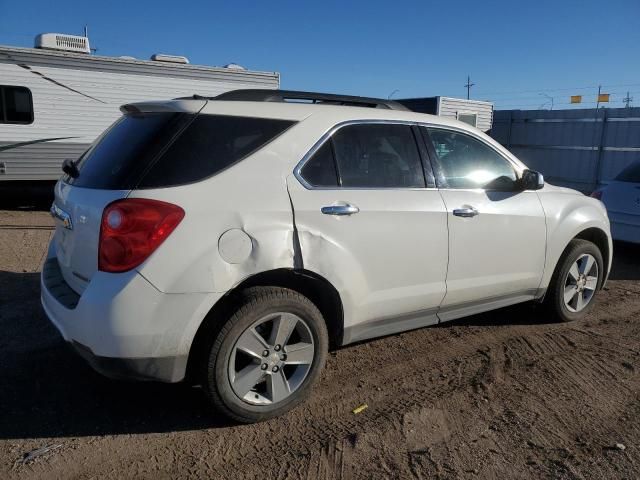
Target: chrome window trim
x: 481, y: 190
x: 297, y: 171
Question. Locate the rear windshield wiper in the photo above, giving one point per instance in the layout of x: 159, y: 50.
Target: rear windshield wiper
x: 70, y: 168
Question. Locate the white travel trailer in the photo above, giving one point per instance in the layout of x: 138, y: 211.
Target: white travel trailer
x: 55, y: 99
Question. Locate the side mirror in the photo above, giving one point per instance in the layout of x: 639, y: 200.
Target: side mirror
x: 531, y: 180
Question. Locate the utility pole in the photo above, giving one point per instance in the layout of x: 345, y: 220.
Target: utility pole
x: 469, y: 85
x: 550, y: 98
x: 627, y: 100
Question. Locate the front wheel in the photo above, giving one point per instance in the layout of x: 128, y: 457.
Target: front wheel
x: 576, y: 281
x: 268, y: 355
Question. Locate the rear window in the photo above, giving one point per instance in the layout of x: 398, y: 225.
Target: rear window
x: 630, y: 174
x: 210, y: 144
x: 167, y: 149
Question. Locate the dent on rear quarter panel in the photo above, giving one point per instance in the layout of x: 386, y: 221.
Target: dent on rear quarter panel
x: 247, y: 197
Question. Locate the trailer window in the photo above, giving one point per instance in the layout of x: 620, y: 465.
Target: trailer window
x: 469, y: 118
x: 16, y: 105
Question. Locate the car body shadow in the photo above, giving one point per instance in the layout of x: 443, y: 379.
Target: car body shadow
x: 49, y: 391
x: 626, y: 261
x: 26, y: 195
x: 529, y: 313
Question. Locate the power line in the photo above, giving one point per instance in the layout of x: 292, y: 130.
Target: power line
x: 17, y: 34
x: 515, y: 92
x: 534, y: 97
x: 616, y: 98
x: 611, y: 100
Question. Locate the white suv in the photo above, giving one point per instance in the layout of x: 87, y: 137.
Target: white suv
x: 234, y: 240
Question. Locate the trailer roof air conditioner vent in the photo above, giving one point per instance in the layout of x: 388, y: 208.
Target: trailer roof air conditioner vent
x: 160, y: 57
x: 60, y: 41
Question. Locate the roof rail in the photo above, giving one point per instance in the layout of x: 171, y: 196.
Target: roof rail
x: 267, y: 95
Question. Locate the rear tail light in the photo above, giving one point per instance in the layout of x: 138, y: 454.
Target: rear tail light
x: 597, y: 194
x: 132, y: 229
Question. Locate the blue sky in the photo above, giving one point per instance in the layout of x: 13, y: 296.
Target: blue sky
x: 514, y: 51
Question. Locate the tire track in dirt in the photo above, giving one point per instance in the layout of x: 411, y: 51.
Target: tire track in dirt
x: 383, y: 412
x: 324, y: 440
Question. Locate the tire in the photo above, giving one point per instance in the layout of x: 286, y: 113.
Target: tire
x: 562, y: 282
x: 234, y: 358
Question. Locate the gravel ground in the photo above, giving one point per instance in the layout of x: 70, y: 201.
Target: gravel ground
x: 505, y: 394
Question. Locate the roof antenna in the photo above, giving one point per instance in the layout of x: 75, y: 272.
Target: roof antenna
x: 86, y: 35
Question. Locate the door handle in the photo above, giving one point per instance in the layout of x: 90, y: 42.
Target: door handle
x: 466, y: 212
x: 340, y: 210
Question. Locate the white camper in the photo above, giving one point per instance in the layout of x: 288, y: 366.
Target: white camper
x: 55, y: 99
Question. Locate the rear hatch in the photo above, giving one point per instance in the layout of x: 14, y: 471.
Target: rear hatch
x: 114, y: 165
x: 151, y: 146
x: 78, y: 213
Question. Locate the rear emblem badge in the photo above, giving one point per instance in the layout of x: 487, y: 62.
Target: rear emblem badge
x: 61, y: 215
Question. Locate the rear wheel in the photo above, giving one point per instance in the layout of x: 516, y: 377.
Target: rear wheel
x: 266, y: 358
x: 576, y: 281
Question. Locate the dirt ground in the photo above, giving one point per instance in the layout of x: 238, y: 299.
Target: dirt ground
x: 500, y: 395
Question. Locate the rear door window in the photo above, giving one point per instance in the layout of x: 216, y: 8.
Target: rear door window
x: 154, y: 150
x: 320, y: 169
x: 367, y: 155
x: 378, y: 156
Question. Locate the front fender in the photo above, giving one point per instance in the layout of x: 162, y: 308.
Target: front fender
x: 567, y: 216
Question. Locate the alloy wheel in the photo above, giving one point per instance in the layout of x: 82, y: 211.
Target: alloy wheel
x: 581, y: 283
x: 271, y: 359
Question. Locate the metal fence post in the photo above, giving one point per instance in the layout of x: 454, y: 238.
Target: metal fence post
x: 600, y: 149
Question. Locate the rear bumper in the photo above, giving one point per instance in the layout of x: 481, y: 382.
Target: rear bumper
x: 162, y: 368
x: 123, y: 326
